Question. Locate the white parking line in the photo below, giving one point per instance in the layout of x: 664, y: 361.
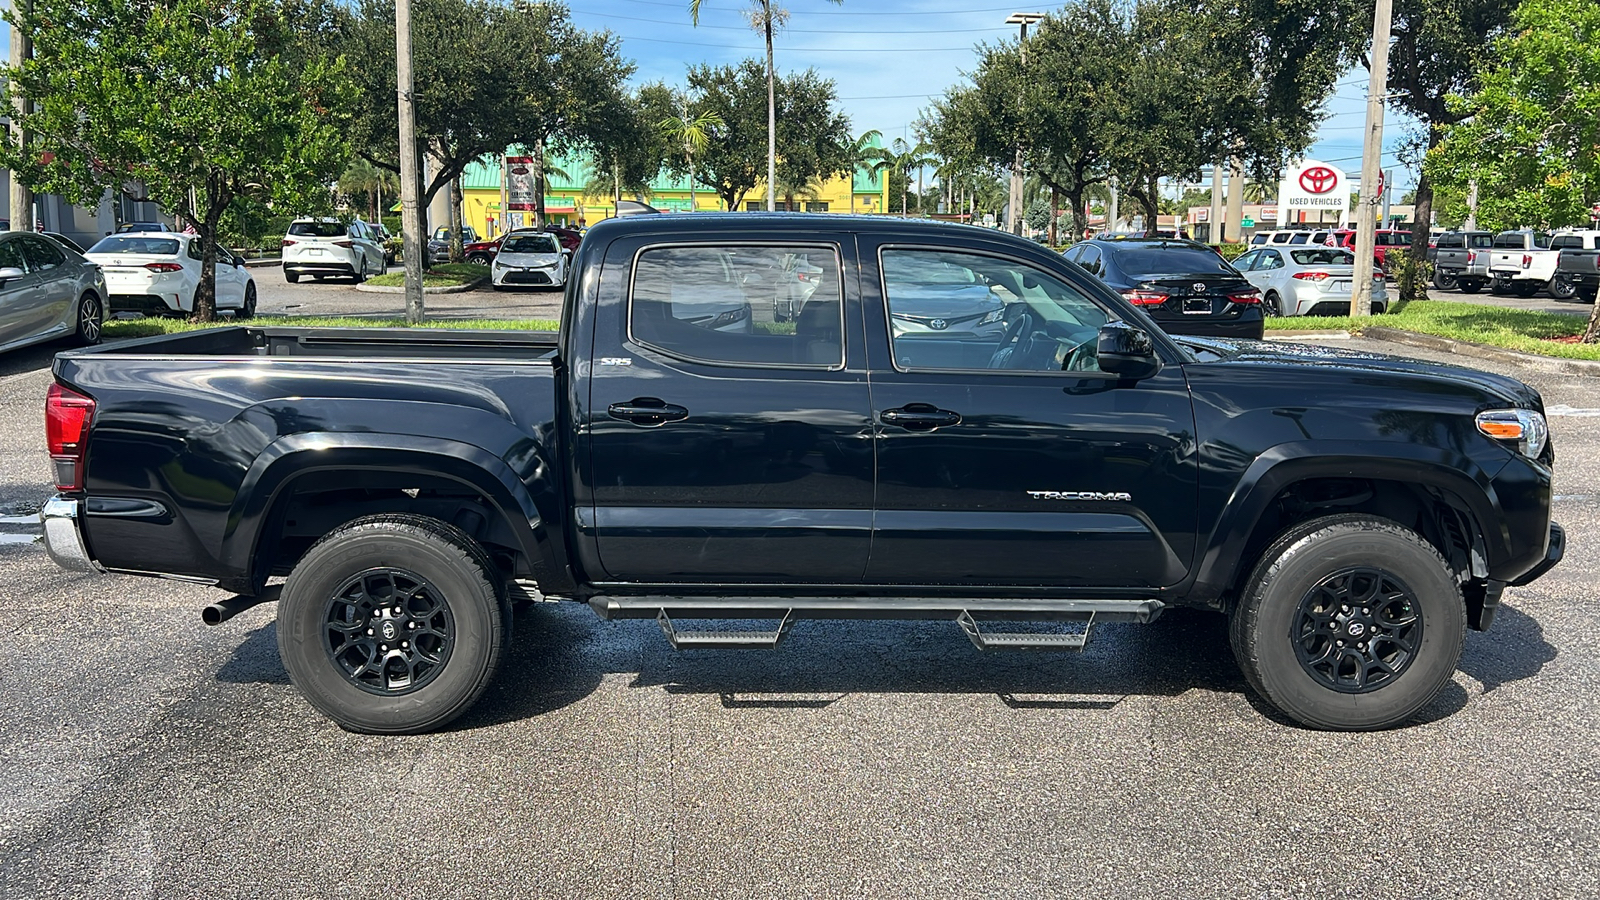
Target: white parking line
x: 1561, y: 409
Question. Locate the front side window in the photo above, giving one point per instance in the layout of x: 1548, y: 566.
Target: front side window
x: 41, y: 255
x: 954, y: 310
x: 11, y: 255
x: 721, y: 304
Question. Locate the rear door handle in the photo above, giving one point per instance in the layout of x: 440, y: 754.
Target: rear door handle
x: 647, y: 411
x: 920, y: 417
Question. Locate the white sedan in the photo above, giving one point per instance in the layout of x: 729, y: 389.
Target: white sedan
x: 529, y: 259
x: 156, y: 273
x: 1306, y: 281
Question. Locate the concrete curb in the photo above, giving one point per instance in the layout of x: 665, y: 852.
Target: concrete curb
x: 452, y: 289
x: 1483, y: 351
x: 263, y: 263
x: 1304, y: 332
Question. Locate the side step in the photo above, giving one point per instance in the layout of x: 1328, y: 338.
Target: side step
x: 999, y: 640
x: 722, y: 640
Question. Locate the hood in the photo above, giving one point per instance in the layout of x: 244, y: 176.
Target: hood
x: 527, y: 259
x: 1278, y: 354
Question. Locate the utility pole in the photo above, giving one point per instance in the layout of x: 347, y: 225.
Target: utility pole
x: 21, y: 195
x: 1371, y: 163
x: 1023, y: 20
x: 410, y: 195
x: 1472, y: 207
x: 1214, y: 226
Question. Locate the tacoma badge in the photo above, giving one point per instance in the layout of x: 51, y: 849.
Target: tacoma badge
x: 1081, y: 495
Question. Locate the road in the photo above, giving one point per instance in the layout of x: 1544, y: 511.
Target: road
x: 145, y: 755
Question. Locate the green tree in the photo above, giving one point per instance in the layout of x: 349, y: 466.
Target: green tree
x: 861, y: 155
x: 812, y: 132
x: 1530, y: 135
x: 764, y: 16
x: 905, y: 158
x: 366, y: 184
x: 692, y: 132
x: 628, y: 147
x: 194, y: 104
x: 1437, y: 49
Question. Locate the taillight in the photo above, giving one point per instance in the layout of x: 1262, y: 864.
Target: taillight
x: 67, y: 415
x: 1527, y: 260
x: 164, y: 267
x: 1472, y: 257
x: 345, y: 244
x: 1144, y: 298
x: 1311, y: 276
x: 1246, y: 296
x: 286, y: 242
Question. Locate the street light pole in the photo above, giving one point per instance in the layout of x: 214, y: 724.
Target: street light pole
x: 1371, y: 164
x: 1023, y: 20
x: 21, y: 194
x: 410, y: 193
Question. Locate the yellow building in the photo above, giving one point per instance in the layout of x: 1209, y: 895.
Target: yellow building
x: 567, y: 204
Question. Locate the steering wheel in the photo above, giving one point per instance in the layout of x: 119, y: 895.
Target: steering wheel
x: 1014, y: 344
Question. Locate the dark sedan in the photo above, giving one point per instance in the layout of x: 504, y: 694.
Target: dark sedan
x: 1184, y: 286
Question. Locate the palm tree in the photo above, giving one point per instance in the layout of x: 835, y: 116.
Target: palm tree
x: 367, y: 180
x: 859, y: 154
x: 764, y: 14
x: 695, y: 133
x: 1257, y: 192
x: 908, y: 157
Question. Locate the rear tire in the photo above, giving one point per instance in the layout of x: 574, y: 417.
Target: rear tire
x: 91, y: 320
x: 291, y: 277
x: 1525, y: 288
x: 1499, y: 285
x: 248, y: 310
x: 1562, y: 290
x: 379, y: 580
x: 1444, y: 281
x: 1303, y: 628
x: 1469, y: 286
x: 361, y: 273
x: 1272, y: 304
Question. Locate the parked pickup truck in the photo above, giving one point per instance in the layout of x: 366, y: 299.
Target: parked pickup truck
x: 1521, y: 262
x: 1461, y: 260
x: 1354, y: 514
x: 1578, y: 262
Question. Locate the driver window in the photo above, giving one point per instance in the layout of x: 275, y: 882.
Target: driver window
x: 954, y: 310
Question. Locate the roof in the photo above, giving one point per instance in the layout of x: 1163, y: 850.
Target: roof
x: 806, y: 223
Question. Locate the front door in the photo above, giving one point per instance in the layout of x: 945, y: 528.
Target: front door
x: 1005, y: 456
x: 726, y: 445
x: 22, y: 299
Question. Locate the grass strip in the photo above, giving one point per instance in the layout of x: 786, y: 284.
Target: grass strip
x: 443, y: 275
x: 1514, y: 329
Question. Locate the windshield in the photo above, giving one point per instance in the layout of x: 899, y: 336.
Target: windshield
x: 146, y: 246
x: 529, y: 243
x: 317, y: 229
x: 1168, y: 259
x: 1324, y: 256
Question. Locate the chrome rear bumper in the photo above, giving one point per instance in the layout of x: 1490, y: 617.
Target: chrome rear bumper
x: 63, y: 538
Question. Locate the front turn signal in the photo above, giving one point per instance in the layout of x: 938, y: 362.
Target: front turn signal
x: 1526, y: 427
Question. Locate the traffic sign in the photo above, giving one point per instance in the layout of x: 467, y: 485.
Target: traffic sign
x: 1247, y: 222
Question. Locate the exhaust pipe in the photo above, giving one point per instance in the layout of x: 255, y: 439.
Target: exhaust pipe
x: 223, y: 610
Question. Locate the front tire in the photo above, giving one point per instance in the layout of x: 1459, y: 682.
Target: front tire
x: 393, y: 624
x: 1349, y: 623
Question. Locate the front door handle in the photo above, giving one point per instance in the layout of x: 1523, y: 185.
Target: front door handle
x: 920, y: 417
x: 647, y: 411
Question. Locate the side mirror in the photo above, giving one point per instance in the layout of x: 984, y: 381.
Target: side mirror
x: 10, y: 272
x: 1125, y: 350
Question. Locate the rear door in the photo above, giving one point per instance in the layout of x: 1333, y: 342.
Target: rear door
x: 725, y: 446
x: 20, y: 297
x: 55, y: 289
x: 1006, y: 457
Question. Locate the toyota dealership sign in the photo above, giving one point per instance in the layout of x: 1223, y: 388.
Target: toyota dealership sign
x: 1312, y: 184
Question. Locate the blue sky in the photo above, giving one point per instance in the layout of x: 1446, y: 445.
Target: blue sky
x: 889, y: 58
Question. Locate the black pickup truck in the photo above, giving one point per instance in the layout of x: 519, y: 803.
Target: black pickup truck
x: 1578, y: 265
x: 957, y: 424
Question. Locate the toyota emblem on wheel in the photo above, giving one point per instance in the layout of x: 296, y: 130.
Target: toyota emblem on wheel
x: 1319, y: 179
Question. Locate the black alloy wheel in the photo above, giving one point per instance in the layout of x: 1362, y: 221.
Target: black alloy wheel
x: 1444, y: 281
x: 1357, y: 630
x: 248, y: 310
x: 393, y: 623
x: 1562, y: 289
x: 1272, y: 304
x: 388, y: 630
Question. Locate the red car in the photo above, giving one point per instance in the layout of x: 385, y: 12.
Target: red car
x: 482, y: 252
x: 1384, y: 239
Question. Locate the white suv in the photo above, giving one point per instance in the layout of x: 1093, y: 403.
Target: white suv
x: 321, y: 247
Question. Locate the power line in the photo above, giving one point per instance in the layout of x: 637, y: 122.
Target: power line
x: 902, y: 14
x: 807, y: 30
x: 793, y: 49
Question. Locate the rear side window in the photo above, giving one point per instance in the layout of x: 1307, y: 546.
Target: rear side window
x: 317, y: 229
x: 1140, y: 262
x: 145, y: 246
x: 41, y: 255
x: 720, y: 304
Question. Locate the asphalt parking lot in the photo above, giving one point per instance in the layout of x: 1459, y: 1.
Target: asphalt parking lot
x: 145, y: 755
x: 338, y: 297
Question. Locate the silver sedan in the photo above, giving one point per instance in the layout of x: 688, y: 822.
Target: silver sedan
x: 47, y: 291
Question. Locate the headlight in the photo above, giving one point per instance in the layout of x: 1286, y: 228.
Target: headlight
x: 1524, y: 426
x: 992, y: 317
